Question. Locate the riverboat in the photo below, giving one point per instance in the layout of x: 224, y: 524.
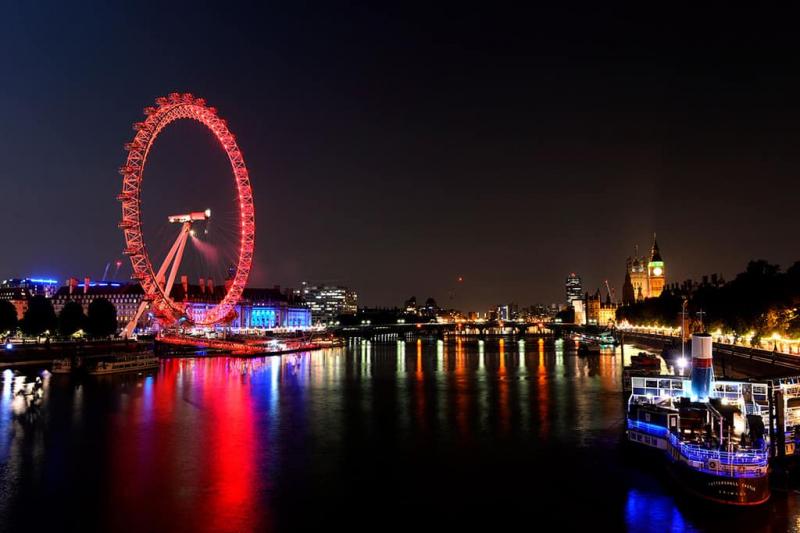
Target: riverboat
x: 645, y: 360
x: 711, y: 432
x: 62, y: 366
x: 125, y: 363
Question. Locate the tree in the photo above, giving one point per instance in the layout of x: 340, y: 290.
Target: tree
x: 8, y: 317
x: 39, y: 317
x: 71, y: 318
x: 101, y: 320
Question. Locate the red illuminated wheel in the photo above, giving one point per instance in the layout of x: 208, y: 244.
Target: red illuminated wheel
x: 169, y: 109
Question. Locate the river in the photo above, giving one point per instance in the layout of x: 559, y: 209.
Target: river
x: 371, y: 436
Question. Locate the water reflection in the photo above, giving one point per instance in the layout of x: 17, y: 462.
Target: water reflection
x: 372, y: 430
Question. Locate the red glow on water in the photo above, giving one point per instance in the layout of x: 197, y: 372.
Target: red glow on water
x: 231, y: 447
x: 187, y: 434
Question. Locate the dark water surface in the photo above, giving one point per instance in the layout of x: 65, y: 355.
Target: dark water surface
x: 411, y: 436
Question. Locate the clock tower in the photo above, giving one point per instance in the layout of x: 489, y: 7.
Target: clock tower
x: 656, y: 275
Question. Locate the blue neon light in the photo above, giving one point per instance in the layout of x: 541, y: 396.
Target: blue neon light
x: 42, y: 280
x: 263, y: 317
x: 646, y: 427
x: 752, y: 460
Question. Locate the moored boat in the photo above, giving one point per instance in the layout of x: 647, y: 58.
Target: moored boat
x: 125, y: 363
x: 711, y: 432
x: 62, y: 366
x: 645, y: 360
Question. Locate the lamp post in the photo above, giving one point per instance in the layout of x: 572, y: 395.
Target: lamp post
x: 683, y: 328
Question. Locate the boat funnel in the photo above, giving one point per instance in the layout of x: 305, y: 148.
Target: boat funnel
x: 702, y: 366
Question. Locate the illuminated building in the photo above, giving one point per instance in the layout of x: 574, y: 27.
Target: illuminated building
x: 34, y: 286
x: 18, y: 297
x: 599, y: 312
x: 580, y: 311
x: 269, y: 308
x: 647, y: 278
x: 256, y: 309
x: 656, y: 274
x: 638, y: 277
x: 328, y: 301
x: 574, y: 288
x: 503, y: 312
x: 607, y: 314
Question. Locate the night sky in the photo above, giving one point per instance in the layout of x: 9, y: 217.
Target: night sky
x: 394, y: 149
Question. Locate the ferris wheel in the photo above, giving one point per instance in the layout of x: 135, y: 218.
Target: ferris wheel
x: 158, y: 284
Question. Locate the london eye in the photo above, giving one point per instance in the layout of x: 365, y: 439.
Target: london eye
x: 157, y: 284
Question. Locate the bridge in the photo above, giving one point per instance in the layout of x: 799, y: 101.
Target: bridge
x: 441, y: 330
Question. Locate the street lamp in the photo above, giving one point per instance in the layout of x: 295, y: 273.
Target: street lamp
x: 683, y: 330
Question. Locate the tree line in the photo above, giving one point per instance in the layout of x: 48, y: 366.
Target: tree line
x: 761, y: 301
x: 40, y: 318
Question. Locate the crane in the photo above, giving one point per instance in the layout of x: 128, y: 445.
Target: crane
x: 612, y: 298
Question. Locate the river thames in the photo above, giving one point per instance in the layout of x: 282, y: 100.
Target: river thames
x: 372, y: 436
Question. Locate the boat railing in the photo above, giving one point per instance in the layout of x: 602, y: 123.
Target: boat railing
x: 740, y: 463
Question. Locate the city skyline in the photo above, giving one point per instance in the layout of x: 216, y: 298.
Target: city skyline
x: 368, y: 265
x: 575, y: 155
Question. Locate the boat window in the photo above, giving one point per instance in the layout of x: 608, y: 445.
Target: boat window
x: 651, y: 383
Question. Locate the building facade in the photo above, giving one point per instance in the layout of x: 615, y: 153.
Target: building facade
x: 574, y: 288
x: 18, y: 297
x: 328, y: 301
x: 19, y: 290
x: 644, y: 279
x: 599, y: 312
x: 257, y: 308
x: 34, y: 286
x: 125, y: 297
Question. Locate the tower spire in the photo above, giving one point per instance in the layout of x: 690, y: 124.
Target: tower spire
x: 655, y: 253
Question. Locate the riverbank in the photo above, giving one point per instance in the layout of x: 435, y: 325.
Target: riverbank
x: 731, y: 360
x: 36, y: 353
x: 173, y: 346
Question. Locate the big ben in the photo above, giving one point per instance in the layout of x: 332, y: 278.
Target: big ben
x: 656, y: 275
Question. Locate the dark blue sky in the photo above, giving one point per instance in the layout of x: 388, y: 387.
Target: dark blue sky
x: 393, y: 149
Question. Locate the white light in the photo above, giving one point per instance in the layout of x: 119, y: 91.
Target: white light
x: 9, y: 346
x: 681, y: 363
x: 208, y: 213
